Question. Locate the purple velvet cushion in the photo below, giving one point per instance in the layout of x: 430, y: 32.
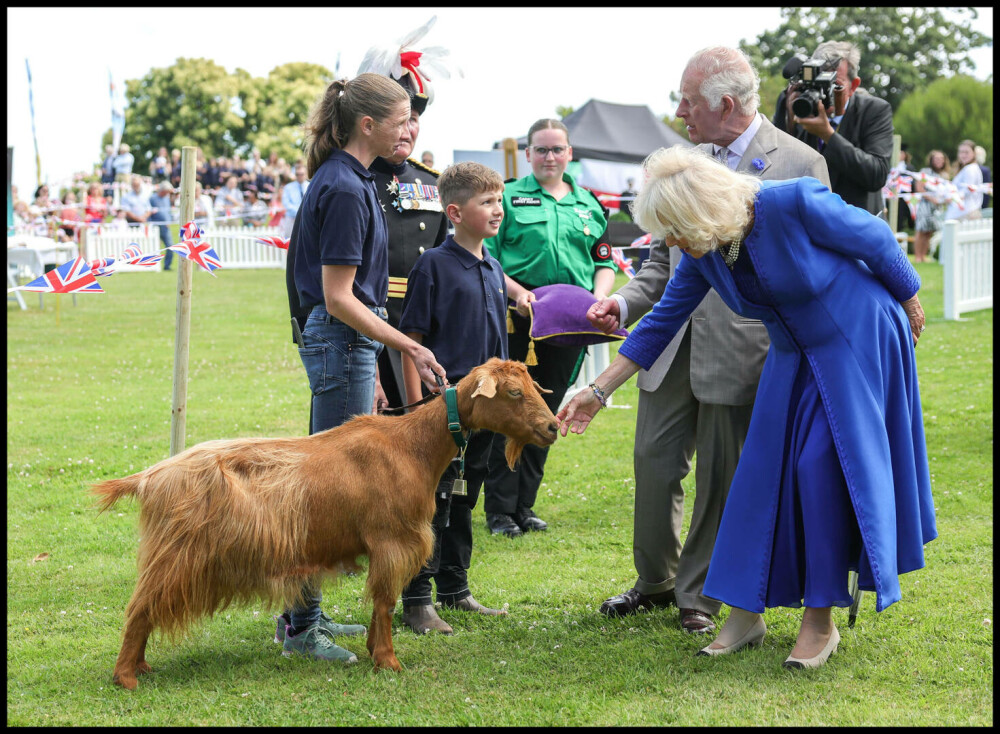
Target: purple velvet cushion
x: 559, y: 316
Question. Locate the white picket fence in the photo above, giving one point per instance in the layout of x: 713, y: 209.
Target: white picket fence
x: 235, y: 245
x: 967, y: 257
x: 237, y: 249
x: 597, y: 359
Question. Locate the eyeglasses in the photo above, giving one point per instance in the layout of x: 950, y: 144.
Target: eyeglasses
x: 557, y: 150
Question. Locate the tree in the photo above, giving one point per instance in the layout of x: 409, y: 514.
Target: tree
x: 945, y: 113
x: 194, y: 102
x: 563, y: 111
x: 902, y: 49
x: 676, y: 124
x: 279, y: 107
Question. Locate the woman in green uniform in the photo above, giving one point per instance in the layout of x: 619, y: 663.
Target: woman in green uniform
x: 553, y: 231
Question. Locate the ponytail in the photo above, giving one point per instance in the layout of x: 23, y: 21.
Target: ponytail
x: 334, y: 116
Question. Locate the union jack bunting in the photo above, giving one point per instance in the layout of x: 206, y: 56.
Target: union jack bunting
x: 642, y: 241
x: 133, y: 256
x: 198, y: 252
x: 274, y: 242
x: 145, y: 261
x: 624, y: 265
x: 102, y: 266
x: 131, y: 252
x: 192, y: 231
x: 71, y: 277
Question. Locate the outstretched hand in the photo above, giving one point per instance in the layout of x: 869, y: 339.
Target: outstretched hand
x: 577, y: 414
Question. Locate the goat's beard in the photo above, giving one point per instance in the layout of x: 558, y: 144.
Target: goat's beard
x: 512, y: 451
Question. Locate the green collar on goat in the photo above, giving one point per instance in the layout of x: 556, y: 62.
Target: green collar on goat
x: 454, y: 426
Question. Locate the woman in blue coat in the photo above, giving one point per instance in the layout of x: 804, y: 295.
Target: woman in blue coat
x: 833, y: 476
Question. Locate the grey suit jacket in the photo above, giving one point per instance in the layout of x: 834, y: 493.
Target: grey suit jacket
x: 727, y: 350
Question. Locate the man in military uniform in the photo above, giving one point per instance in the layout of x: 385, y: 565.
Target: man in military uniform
x: 408, y: 192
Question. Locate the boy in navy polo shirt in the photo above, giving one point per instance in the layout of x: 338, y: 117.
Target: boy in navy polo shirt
x: 456, y: 306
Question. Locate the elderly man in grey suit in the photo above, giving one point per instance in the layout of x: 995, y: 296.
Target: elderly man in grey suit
x: 699, y: 394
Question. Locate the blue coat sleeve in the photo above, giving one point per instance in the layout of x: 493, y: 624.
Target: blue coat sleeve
x: 852, y: 231
x: 684, y: 291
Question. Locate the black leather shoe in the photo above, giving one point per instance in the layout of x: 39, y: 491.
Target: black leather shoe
x: 527, y: 520
x: 632, y: 601
x: 500, y: 523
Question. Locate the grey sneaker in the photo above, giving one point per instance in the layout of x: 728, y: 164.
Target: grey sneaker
x: 327, y: 626
x: 314, y: 643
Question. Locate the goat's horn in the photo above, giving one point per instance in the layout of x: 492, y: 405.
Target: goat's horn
x: 540, y: 388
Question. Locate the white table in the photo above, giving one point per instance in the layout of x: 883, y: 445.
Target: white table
x: 28, y: 255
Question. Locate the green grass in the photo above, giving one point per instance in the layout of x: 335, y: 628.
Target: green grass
x: 89, y: 398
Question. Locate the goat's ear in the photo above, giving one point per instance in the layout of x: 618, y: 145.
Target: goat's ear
x: 487, y: 387
x: 540, y: 388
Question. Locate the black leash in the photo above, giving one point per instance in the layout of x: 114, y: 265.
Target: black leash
x: 400, y: 409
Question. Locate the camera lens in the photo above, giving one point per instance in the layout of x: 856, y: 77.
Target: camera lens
x: 805, y: 104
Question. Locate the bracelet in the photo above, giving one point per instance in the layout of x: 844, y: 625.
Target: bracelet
x: 599, y: 394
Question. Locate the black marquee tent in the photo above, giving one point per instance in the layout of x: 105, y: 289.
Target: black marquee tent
x: 605, y: 131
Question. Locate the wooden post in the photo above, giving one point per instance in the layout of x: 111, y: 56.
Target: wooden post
x: 510, y: 157
x: 894, y: 202
x: 178, y: 411
x: 83, y: 241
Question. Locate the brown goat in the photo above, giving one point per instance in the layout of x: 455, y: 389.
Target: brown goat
x: 254, y: 518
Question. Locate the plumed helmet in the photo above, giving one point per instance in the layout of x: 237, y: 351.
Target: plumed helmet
x: 410, y: 66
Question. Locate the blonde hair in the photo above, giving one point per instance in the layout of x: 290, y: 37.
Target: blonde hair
x: 333, y: 117
x: 461, y: 181
x: 957, y: 164
x: 688, y: 195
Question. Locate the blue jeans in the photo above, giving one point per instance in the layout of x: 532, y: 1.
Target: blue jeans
x: 167, y: 241
x: 340, y: 363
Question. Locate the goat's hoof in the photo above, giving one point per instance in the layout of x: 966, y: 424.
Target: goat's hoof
x: 126, y: 681
x: 143, y: 667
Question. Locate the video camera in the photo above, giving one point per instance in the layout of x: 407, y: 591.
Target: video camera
x: 815, y: 84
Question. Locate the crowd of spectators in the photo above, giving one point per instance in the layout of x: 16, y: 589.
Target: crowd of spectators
x: 241, y: 192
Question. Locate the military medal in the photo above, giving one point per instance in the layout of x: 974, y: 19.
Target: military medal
x: 417, y: 197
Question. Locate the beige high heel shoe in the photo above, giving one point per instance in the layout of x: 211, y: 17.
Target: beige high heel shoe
x: 752, y: 637
x: 818, y: 660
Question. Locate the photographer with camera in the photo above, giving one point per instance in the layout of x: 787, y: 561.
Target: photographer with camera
x: 852, y: 131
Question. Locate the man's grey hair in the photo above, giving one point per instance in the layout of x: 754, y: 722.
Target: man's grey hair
x: 727, y: 71
x: 840, y: 50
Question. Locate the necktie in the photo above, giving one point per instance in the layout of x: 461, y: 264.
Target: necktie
x: 723, y: 155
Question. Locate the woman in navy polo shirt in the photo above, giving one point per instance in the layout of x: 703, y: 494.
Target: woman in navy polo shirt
x: 341, y: 275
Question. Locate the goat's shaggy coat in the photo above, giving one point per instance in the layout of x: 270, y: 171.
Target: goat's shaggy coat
x: 254, y: 518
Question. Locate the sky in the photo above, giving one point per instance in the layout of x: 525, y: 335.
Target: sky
x: 518, y: 63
